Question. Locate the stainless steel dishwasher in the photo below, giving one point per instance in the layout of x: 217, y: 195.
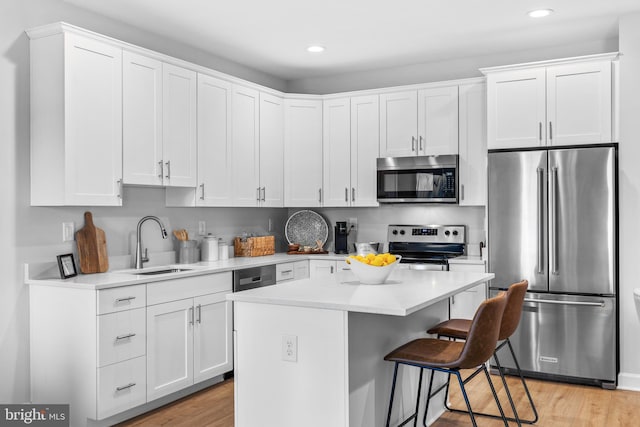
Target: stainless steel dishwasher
x: 254, y: 277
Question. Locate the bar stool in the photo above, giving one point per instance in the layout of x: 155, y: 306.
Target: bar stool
x: 459, y: 329
x: 452, y: 356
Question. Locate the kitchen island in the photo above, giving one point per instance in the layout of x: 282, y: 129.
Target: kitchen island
x: 310, y: 352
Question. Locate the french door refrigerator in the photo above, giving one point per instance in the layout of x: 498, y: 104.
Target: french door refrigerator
x: 552, y: 219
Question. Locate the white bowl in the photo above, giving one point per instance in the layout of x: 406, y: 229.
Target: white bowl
x: 371, y: 274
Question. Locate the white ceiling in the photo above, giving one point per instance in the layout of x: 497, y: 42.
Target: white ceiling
x: 272, y: 35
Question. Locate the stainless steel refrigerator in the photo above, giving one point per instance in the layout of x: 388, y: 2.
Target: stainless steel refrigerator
x: 552, y: 219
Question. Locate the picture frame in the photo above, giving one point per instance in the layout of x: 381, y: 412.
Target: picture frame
x: 67, y: 266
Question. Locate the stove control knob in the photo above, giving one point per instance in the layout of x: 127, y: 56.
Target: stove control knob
x: 394, y: 232
x: 446, y: 233
x: 402, y: 232
x: 455, y: 232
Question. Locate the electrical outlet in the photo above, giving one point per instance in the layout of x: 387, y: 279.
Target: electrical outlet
x: 352, y: 224
x: 68, y: 232
x: 290, y: 348
x: 202, y: 228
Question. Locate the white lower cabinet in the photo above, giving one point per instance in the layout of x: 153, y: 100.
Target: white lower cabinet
x: 465, y: 304
x: 121, y: 386
x: 292, y: 271
x: 319, y: 268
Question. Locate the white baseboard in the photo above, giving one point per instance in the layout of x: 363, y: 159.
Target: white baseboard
x: 629, y: 381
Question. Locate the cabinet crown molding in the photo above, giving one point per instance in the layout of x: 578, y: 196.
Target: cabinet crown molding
x: 609, y: 56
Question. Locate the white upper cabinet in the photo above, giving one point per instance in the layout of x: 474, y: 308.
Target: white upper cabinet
x: 337, y: 152
x: 76, y: 121
x: 303, y: 153
x: 438, y: 121
x: 560, y: 103
x: 141, y: 120
x: 271, y: 186
x: 179, y: 145
x: 214, y: 142
x: 472, y: 162
x: 365, y: 139
x: 245, y: 147
x: 399, y: 124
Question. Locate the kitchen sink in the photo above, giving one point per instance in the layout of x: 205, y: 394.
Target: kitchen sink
x: 163, y: 271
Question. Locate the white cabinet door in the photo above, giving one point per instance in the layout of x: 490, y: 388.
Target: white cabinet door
x: 271, y: 151
x: 212, y: 343
x: 245, y: 150
x: 579, y: 103
x: 321, y: 268
x: 365, y: 139
x: 438, y: 121
x: 465, y: 304
x: 303, y: 153
x: 93, y: 125
x: 398, y: 124
x: 169, y: 347
x: 472, y: 161
x: 141, y: 120
x: 214, y: 142
x: 336, y: 145
x: 516, y: 108
x: 179, y: 145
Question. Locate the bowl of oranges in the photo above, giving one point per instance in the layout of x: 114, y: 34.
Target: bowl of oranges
x: 372, y: 269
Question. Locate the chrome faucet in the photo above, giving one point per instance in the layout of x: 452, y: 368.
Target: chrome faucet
x: 139, y: 258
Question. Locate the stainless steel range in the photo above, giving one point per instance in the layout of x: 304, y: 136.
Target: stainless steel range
x: 427, y: 247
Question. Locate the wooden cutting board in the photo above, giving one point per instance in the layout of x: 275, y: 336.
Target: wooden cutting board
x: 92, y: 247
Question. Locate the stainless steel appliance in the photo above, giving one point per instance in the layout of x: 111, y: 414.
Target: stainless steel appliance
x: 427, y: 247
x: 418, y: 179
x: 340, y: 237
x: 254, y: 277
x: 553, y: 221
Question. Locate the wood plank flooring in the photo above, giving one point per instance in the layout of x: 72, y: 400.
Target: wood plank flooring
x: 559, y: 405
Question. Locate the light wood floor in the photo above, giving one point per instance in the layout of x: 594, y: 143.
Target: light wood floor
x: 559, y: 405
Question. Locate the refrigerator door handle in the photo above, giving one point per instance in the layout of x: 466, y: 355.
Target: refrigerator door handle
x: 540, y: 173
x: 581, y: 303
x: 554, y: 221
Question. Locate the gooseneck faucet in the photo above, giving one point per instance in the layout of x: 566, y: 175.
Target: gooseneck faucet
x: 139, y: 258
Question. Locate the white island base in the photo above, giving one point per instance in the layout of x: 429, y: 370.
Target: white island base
x: 310, y: 353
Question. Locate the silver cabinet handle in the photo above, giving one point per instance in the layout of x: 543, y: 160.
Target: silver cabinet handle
x: 540, y: 186
x: 124, y: 387
x: 353, y: 194
x: 264, y: 193
x: 332, y: 269
x: 191, y: 315
x: 540, y: 131
x: 580, y: 303
x: 453, y: 300
x: 168, y: 163
x: 413, y: 143
x: 124, y: 337
x: 554, y: 221
x: 461, y: 191
x: 125, y: 299
x: 258, y: 194
x: 420, y: 143
x: 199, y: 313
x: 346, y: 194
x: 550, y: 131
x: 320, y: 195
x: 119, y: 184
x: 161, y: 169
x: 286, y: 271
x: 202, y: 194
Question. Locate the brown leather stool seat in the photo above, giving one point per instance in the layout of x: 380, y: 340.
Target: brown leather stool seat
x: 451, y: 356
x: 459, y: 329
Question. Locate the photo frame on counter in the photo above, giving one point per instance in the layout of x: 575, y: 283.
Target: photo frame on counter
x: 67, y: 266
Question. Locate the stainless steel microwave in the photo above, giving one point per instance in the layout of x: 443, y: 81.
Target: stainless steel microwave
x: 418, y: 179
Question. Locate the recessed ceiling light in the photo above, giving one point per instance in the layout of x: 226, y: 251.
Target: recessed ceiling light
x: 540, y: 13
x: 315, y: 49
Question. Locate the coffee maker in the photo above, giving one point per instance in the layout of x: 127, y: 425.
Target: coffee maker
x: 341, y: 234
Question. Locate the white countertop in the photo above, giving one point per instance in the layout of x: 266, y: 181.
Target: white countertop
x: 467, y: 259
x: 405, y: 292
x: 128, y: 277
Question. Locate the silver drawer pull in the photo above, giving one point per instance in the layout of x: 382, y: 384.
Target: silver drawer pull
x: 287, y: 271
x: 124, y: 387
x: 125, y: 299
x: 124, y: 337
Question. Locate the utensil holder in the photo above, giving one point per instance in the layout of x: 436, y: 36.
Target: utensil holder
x: 187, y: 251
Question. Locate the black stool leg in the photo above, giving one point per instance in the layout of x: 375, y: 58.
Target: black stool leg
x: 466, y: 399
x: 495, y: 395
x: 426, y: 407
x: 393, y: 390
x: 524, y: 384
x: 506, y: 389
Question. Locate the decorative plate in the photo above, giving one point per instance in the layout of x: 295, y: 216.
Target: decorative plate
x: 305, y: 227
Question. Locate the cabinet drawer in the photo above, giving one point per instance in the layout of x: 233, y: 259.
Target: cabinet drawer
x: 285, y: 271
x: 173, y: 290
x: 121, y: 336
x: 121, y: 386
x: 301, y: 269
x: 121, y: 298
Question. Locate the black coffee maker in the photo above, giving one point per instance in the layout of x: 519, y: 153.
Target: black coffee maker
x: 341, y: 234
